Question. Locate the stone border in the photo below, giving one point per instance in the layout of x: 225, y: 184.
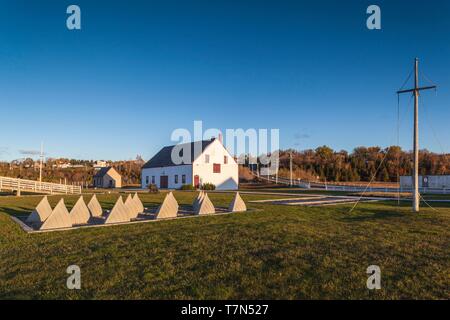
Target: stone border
x: 29, y: 230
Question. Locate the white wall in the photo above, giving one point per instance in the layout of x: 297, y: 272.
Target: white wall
x: 228, y: 178
x: 406, y: 182
x: 434, y: 182
x: 167, y: 171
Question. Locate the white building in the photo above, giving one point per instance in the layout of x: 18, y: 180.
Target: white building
x: 100, y: 164
x: 211, y: 164
x: 431, y: 182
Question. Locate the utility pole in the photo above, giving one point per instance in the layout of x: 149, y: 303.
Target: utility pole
x: 41, y: 160
x: 415, y: 91
x: 290, y: 168
x: 257, y: 167
x: 276, y: 168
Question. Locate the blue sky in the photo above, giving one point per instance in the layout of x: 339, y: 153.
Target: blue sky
x: 140, y: 69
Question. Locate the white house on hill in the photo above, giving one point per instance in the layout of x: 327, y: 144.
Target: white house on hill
x: 211, y: 164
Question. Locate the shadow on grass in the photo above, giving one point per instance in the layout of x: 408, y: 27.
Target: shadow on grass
x: 152, y: 204
x: 19, y: 211
x: 376, y: 214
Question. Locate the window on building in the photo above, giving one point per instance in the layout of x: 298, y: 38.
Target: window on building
x: 146, y: 180
x: 176, y: 179
x: 225, y: 159
x: 153, y: 179
x: 183, y: 179
x: 216, y: 167
x: 206, y: 158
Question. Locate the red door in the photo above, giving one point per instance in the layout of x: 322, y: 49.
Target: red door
x: 164, y: 182
x: 196, y: 181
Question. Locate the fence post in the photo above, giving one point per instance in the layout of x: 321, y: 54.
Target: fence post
x: 18, y: 188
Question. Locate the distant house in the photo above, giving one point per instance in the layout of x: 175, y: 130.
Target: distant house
x: 211, y: 164
x: 107, y: 178
x: 100, y: 164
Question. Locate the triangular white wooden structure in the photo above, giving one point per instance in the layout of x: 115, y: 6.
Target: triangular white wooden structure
x: 60, y: 218
x: 94, y: 207
x: 237, y: 204
x: 132, y: 209
x: 205, y: 206
x: 138, y: 203
x: 42, y: 211
x: 119, y: 213
x: 168, y: 209
x: 80, y: 213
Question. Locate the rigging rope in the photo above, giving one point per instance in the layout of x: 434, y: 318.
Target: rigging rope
x: 423, y: 199
x: 407, y: 79
x: 398, y: 155
x: 427, y: 79
x: 398, y: 135
x: 381, y: 163
x: 432, y: 128
x: 444, y: 154
x: 398, y: 144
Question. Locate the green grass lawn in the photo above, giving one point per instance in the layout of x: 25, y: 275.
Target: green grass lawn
x: 274, y: 252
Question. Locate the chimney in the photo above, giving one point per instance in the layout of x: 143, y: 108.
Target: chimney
x: 220, y: 138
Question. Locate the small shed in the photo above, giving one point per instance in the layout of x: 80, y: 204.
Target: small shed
x: 107, y: 178
x: 427, y: 182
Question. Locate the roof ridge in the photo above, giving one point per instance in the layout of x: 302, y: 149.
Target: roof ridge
x: 163, y: 158
x: 178, y: 144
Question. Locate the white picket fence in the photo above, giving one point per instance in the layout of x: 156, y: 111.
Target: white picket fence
x: 36, y: 186
x: 347, y: 188
x: 381, y: 189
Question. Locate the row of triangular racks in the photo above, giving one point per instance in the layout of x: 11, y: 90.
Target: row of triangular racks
x: 125, y: 212
x: 202, y: 205
x: 44, y: 217
x: 81, y: 214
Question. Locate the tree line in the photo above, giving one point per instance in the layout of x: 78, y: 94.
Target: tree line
x: 81, y: 172
x: 386, y: 164
x: 320, y: 164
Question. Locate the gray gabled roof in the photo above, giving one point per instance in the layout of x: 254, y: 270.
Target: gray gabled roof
x: 164, y: 157
x: 102, y: 172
